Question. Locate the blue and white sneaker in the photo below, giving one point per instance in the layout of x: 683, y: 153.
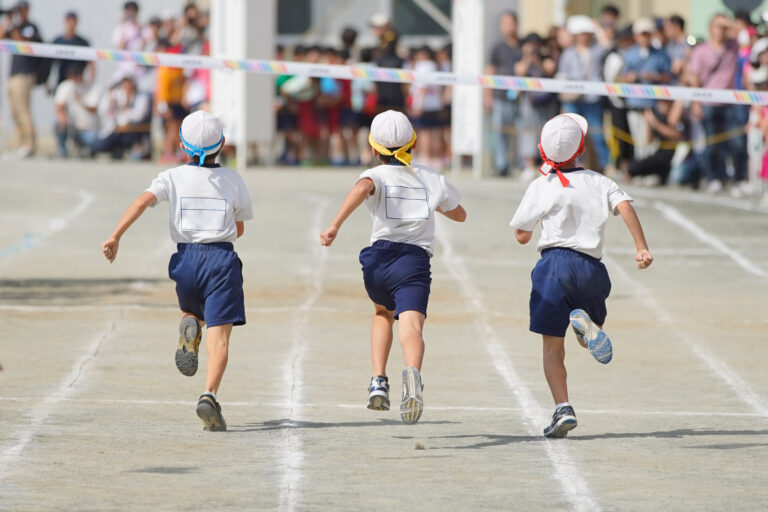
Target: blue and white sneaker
x: 378, y: 394
x: 591, y: 337
x: 412, y: 404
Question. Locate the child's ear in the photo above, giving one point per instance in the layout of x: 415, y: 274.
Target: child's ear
x: 181, y: 146
x: 375, y: 153
x: 415, y: 143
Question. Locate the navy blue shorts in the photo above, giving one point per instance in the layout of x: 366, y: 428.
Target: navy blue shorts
x: 564, y: 280
x: 209, y: 282
x: 397, y: 276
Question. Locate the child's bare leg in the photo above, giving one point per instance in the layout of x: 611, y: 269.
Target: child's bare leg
x: 381, y: 339
x: 409, y: 329
x: 217, y: 343
x: 554, y: 368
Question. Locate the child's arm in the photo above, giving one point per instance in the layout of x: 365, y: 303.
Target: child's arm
x: 134, y: 211
x: 240, y: 225
x: 458, y: 214
x: 523, y: 237
x: 643, y: 257
x: 355, y: 198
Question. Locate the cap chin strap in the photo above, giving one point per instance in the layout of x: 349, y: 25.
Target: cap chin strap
x: 548, y: 167
x: 193, y: 151
x: 401, y: 154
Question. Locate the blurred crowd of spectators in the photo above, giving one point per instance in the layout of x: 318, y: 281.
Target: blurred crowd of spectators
x: 324, y: 120
x: 653, y: 142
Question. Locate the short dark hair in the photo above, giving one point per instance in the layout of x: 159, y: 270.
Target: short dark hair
x: 133, y: 6
x: 678, y: 20
x: 348, y: 36
x: 744, y: 16
x: 209, y: 159
x: 513, y: 14
x: 610, y: 9
x: 387, y: 160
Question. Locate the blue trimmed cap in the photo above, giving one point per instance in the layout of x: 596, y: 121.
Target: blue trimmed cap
x: 201, y: 134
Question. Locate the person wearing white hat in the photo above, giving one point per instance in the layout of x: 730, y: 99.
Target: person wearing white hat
x: 402, y: 199
x: 208, y: 205
x: 582, y: 61
x: 570, y: 284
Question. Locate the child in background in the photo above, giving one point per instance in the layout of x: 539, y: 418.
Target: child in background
x: 570, y: 284
x: 402, y: 200
x: 208, y: 205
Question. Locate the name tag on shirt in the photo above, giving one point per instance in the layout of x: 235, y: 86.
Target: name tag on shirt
x: 203, y: 213
x: 407, y: 203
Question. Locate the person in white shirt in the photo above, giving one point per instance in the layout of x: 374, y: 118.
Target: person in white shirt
x: 570, y: 283
x: 76, y: 102
x: 208, y: 205
x: 402, y: 200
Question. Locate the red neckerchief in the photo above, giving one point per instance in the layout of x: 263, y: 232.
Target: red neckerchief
x: 549, y: 166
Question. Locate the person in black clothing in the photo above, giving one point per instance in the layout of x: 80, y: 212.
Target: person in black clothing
x: 23, y: 77
x: 70, y: 68
x: 667, y: 125
x: 390, y: 95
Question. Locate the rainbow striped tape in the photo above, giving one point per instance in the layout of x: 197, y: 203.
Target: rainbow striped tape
x: 385, y: 74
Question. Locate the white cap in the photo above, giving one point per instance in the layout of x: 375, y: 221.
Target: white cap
x: 580, y: 24
x: 379, y: 20
x: 643, y: 25
x: 201, y: 132
x: 391, y: 129
x: 562, y: 136
x: 759, y: 47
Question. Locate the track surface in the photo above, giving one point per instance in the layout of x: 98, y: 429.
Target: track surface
x: 95, y: 416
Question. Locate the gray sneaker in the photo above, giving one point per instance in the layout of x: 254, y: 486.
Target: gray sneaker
x: 413, y: 403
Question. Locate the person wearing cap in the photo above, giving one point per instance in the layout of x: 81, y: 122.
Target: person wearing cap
x: 583, y: 61
x: 569, y: 283
x: 69, y: 68
x: 208, y: 205
x: 402, y: 199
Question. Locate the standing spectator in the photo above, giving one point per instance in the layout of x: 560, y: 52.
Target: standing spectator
x: 613, y: 63
x: 70, y: 68
x: 128, y: 36
x: 426, y: 102
x: 643, y: 64
x: 76, y: 102
x: 500, y: 103
x: 169, y: 105
x: 23, y: 78
x: 536, y: 108
x: 390, y: 95
x: 583, y: 61
x: 713, y: 65
x: 677, y: 46
x: 609, y: 23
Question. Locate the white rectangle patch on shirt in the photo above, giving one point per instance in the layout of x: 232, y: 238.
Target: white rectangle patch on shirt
x: 407, y: 203
x: 203, y: 213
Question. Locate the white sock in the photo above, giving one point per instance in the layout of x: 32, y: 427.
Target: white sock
x: 564, y: 404
x: 212, y: 394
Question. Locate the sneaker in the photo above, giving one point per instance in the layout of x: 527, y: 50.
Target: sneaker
x: 563, y: 421
x: 189, y: 343
x: 378, y: 394
x: 591, y: 337
x: 209, y: 410
x: 714, y: 187
x: 412, y: 404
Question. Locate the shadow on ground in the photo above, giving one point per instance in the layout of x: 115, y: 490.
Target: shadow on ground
x: 285, y: 424
x: 72, y: 291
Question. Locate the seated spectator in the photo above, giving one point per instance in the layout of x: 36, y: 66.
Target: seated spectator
x: 76, y: 103
x: 668, y: 127
x: 125, y: 115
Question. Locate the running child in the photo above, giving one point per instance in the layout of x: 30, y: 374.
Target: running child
x: 402, y: 200
x: 570, y: 284
x: 208, y: 205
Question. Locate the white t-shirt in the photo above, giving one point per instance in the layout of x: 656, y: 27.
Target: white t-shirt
x: 77, y: 98
x: 573, y: 217
x: 403, y: 205
x: 203, y: 202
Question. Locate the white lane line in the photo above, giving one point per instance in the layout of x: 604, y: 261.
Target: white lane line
x: 56, y: 225
x: 291, y: 449
x: 738, y: 385
x: 564, y: 468
x: 674, y: 216
x: 45, y: 407
x: 432, y: 407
